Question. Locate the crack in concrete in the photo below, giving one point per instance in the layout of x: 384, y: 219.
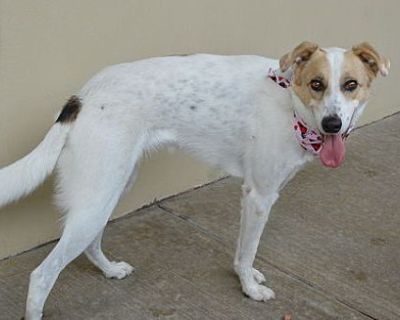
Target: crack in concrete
x: 287, y: 272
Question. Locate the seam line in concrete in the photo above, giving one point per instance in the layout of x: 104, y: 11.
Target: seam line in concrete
x: 189, y: 221
x: 156, y: 202
x: 126, y: 215
x: 287, y: 272
x: 205, y: 231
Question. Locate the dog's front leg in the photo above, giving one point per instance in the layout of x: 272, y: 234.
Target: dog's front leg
x: 255, y: 212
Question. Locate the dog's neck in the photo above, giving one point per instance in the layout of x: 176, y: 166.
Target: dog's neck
x: 302, y: 111
x: 284, y: 80
x: 302, y: 116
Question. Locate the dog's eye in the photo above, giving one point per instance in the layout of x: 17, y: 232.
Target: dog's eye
x: 317, y: 85
x: 350, y: 85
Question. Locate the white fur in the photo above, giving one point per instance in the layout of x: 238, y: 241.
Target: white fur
x: 25, y: 175
x: 221, y: 109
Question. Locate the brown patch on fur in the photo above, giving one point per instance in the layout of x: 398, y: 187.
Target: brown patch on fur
x: 373, y: 61
x: 287, y: 316
x: 317, y: 67
x: 299, y: 55
x: 355, y: 69
x: 70, y: 110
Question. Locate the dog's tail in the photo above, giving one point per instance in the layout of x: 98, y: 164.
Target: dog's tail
x: 25, y: 175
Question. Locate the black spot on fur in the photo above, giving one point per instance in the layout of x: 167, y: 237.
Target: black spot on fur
x: 70, y: 110
x: 181, y: 55
x: 193, y: 107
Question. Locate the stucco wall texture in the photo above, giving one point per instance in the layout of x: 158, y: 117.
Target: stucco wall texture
x: 48, y: 49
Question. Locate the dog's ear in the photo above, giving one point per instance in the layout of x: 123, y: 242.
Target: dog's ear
x: 299, y: 55
x: 373, y: 61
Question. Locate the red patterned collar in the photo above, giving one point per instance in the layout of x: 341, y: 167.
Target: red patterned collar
x: 309, y: 139
x: 279, y: 78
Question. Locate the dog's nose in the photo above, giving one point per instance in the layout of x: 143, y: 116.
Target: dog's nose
x: 331, y: 124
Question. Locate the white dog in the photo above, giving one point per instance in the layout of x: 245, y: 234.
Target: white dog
x: 257, y: 118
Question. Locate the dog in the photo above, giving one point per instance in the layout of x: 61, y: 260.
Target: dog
x: 256, y: 118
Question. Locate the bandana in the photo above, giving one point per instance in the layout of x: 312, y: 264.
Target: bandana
x: 309, y: 139
x: 280, y: 78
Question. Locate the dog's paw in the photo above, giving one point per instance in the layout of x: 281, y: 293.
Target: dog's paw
x: 258, y: 276
x: 118, y: 270
x: 259, y: 293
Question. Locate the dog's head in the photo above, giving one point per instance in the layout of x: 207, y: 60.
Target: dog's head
x: 331, y: 88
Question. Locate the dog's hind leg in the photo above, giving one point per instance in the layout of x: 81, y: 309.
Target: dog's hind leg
x: 111, y: 269
x: 81, y: 227
x: 90, y: 189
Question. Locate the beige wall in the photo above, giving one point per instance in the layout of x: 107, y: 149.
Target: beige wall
x: 48, y: 49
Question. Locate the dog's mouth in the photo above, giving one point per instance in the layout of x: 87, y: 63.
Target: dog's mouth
x: 333, y: 150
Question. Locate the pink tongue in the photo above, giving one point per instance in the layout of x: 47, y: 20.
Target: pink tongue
x: 333, y: 151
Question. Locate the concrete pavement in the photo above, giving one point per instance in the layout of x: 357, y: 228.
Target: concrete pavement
x: 331, y: 250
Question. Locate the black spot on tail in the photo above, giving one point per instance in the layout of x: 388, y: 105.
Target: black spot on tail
x: 70, y: 111
x: 180, y: 55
